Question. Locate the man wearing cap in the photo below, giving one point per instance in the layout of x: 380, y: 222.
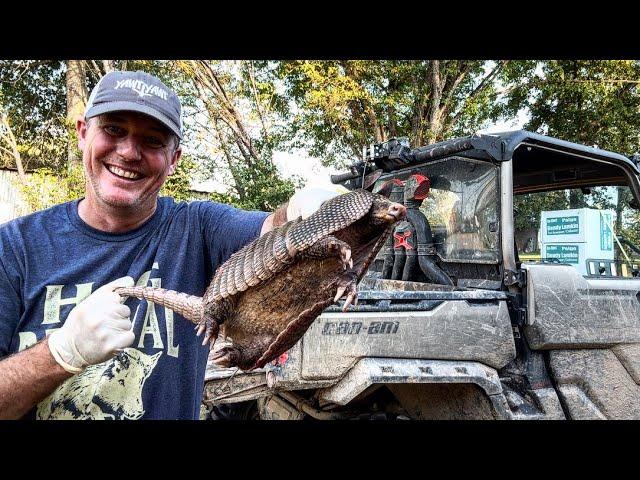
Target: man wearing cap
x: 69, y: 346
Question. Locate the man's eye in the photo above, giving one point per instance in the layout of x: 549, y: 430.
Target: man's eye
x: 113, y: 130
x: 154, y: 142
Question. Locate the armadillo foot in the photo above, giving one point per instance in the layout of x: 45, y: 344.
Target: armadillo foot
x: 343, y: 250
x: 226, y: 357
x: 347, y: 285
x: 211, y: 329
x: 330, y: 246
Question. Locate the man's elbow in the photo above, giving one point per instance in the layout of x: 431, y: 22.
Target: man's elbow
x: 277, y: 218
x: 267, y: 225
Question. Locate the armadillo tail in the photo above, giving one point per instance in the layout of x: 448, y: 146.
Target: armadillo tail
x: 189, y: 306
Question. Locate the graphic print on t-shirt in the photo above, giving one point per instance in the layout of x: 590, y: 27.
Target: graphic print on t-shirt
x: 108, y: 390
x: 112, y: 389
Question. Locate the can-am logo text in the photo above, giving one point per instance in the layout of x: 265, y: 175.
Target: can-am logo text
x: 141, y: 88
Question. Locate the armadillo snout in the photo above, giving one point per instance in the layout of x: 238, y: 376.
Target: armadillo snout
x: 397, y: 211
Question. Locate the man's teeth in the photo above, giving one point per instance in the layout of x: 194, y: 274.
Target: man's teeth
x: 123, y: 173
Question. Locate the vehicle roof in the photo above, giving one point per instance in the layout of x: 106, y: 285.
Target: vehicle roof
x: 540, y: 162
x: 546, y: 163
x: 514, y: 139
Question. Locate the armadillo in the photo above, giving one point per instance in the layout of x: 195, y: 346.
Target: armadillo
x: 268, y: 293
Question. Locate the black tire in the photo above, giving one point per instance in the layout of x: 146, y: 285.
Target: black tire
x: 235, y: 411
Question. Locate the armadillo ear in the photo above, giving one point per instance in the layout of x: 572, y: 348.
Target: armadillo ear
x: 371, y: 178
x: 386, y: 187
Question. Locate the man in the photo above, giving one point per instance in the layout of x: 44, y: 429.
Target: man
x: 70, y: 346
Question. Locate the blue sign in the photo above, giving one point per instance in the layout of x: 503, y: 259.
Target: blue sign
x: 563, y: 225
x: 564, y: 253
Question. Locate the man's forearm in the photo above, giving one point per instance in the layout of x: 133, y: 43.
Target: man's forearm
x: 26, y: 378
x: 277, y: 218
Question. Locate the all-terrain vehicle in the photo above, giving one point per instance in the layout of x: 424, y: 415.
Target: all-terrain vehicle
x: 451, y: 322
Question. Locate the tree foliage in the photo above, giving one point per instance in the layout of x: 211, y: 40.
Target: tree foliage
x: 237, y: 124
x: 32, y: 94
x: 45, y: 188
x: 237, y: 114
x: 39, y: 101
x: 339, y: 106
x: 593, y: 102
x: 178, y: 184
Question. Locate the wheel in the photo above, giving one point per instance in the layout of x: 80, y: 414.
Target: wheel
x: 235, y: 411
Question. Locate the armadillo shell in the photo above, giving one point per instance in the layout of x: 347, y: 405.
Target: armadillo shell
x: 258, y: 270
x: 333, y: 215
x: 274, y: 251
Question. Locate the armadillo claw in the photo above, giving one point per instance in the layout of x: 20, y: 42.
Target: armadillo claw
x: 201, y: 327
x: 344, y: 250
x: 226, y: 357
x: 347, y: 284
x: 212, y: 333
x: 352, y: 296
x: 211, y: 328
x: 345, y: 254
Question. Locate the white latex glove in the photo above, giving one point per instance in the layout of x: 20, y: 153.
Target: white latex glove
x: 95, y: 329
x: 307, y: 200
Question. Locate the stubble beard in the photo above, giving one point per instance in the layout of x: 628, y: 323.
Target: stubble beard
x: 130, y: 203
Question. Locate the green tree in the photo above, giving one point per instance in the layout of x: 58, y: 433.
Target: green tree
x: 593, y: 102
x: 33, y: 97
x: 339, y: 106
x: 237, y: 125
x: 527, y: 208
x: 39, y: 102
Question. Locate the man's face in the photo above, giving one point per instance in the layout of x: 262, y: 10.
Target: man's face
x: 127, y: 157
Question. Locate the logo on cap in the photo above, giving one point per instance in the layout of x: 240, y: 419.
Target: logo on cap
x: 141, y: 88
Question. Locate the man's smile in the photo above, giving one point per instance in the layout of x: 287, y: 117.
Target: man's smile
x: 124, y: 174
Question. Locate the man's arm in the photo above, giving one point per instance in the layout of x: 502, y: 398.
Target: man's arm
x: 93, y: 332
x: 277, y: 218
x: 26, y: 378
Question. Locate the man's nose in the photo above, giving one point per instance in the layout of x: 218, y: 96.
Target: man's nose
x: 129, y: 148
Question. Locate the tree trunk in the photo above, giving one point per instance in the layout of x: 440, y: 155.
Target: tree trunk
x: 620, y: 206
x: 436, y: 97
x: 108, y: 66
x: 576, y: 199
x: 13, y: 145
x: 76, y: 102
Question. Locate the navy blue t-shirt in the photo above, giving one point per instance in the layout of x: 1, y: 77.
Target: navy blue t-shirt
x: 51, y: 260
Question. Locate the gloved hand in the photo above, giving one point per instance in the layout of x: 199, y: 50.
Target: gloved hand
x: 95, y: 329
x: 307, y: 200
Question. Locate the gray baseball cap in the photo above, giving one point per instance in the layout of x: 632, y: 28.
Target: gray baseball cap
x: 137, y: 92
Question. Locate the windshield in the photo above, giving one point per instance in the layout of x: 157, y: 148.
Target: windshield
x: 462, y: 208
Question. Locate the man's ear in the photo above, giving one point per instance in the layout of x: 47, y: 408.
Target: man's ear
x: 81, y: 130
x: 174, y: 160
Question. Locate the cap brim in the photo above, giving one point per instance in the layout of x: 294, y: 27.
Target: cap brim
x: 134, y: 107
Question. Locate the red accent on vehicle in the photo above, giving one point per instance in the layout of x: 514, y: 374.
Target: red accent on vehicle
x: 401, y: 240
x: 424, y: 185
x: 281, y: 360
